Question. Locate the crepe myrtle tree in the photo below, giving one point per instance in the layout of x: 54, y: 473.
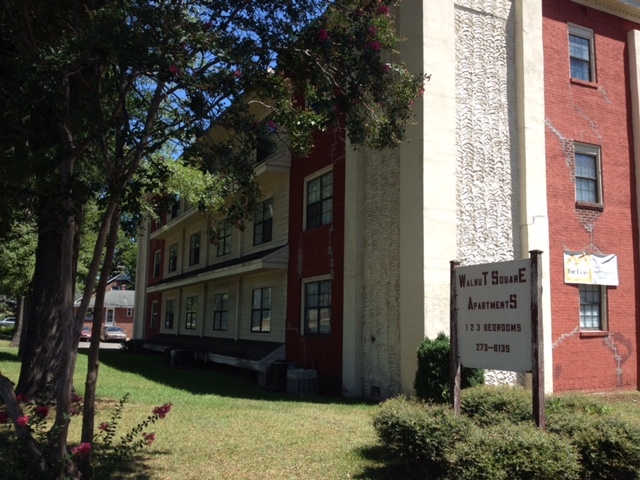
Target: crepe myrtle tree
x: 114, y: 100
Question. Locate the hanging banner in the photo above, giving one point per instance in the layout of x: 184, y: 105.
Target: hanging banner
x: 591, y: 269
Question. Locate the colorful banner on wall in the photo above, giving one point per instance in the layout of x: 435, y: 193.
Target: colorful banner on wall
x: 591, y: 269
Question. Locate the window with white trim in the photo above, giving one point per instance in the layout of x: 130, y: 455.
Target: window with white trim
x: 261, y: 310
x: 157, y: 263
x: 191, y: 313
x: 173, y: 258
x: 221, y: 311
x: 581, y: 53
x: 593, y: 302
x: 194, y: 249
x: 588, y: 173
x: 224, y: 239
x: 320, y: 201
x: 263, y: 223
x: 317, y: 307
x: 169, y: 313
x: 154, y: 315
x: 129, y: 311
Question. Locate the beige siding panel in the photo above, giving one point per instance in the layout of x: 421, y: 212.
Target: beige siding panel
x: 214, y: 288
x: 166, y: 296
x: 279, y: 191
x: 277, y: 281
x: 198, y: 292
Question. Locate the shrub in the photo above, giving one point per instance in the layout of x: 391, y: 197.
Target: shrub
x: 420, y: 433
x: 507, y: 451
x: 433, y: 378
x: 490, y: 404
x: 609, y: 446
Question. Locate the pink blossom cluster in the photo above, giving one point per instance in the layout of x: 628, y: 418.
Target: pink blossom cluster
x: 149, y: 438
x: 42, y: 411
x: 82, y: 449
x: 22, y: 398
x: 162, y: 411
x: 323, y: 35
x: 23, y: 421
x: 375, y: 46
x: 105, y: 427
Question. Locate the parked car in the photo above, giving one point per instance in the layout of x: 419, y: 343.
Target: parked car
x: 111, y: 332
x: 8, y: 322
x: 85, y: 336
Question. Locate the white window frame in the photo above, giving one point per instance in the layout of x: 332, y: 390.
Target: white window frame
x: 266, y: 220
x: 309, y: 179
x: 592, y: 151
x: 172, y: 312
x: 195, y: 248
x: 224, y: 319
x: 264, y: 326
x: 157, y: 263
x: 602, y: 313
x: 155, y: 310
x: 110, y: 316
x: 303, y: 304
x: 586, y: 34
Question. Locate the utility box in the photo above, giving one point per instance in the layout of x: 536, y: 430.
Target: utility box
x: 181, y: 358
x: 302, y: 381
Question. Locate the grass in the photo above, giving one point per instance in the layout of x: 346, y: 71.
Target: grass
x: 222, y: 425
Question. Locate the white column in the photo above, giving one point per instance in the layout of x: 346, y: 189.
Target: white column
x: 534, y: 227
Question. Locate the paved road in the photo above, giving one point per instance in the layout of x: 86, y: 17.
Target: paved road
x: 103, y: 345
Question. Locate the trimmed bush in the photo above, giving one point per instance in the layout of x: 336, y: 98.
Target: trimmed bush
x: 507, y: 452
x: 420, y: 433
x: 490, y: 404
x: 609, y: 446
x: 433, y: 378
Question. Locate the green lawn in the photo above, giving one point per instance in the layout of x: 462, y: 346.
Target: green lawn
x: 223, y: 426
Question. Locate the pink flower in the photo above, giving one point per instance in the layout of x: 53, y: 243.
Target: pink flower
x: 22, y: 398
x: 420, y: 91
x: 372, y: 31
x: 4, y: 417
x: 23, y: 421
x: 149, y: 438
x: 387, y: 67
x: 383, y: 10
x: 105, y: 427
x: 42, y: 411
x: 74, y: 411
x: 163, y: 410
x: 75, y: 398
x: 375, y: 46
x: 82, y: 449
x: 173, y: 70
x: 237, y: 73
x: 272, y: 126
x: 323, y: 35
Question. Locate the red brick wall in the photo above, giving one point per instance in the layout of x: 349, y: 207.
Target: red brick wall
x: 314, y: 253
x: 597, y: 114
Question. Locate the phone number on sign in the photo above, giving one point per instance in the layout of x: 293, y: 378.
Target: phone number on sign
x: 496, y: 347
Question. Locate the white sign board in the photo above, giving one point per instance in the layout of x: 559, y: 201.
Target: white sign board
x: 494, y: 315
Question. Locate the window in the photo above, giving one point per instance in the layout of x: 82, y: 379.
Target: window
x: 317, y: 308
x: 266, y: 145
x: 154, y: 315
x: 110, y: 317
x: 116, y: 288
x: 169, y: 313
x: 192, y: 313
x: 221, y: 311
x: 224, y: 239
x: 89, y: 314
x: 175, y: 208
x: 261, y: 310
x: 173, y: 257
x: 592, y: 307
x: 157, y: 262
x: 581, y: 53
x: 194, y: 249
x: 129, y: 311
x: 320, y: 201
x: 588, y: 174
x: 263, y: 222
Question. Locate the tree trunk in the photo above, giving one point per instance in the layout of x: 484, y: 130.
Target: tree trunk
x: 88, y: 413
x: 41, y: 341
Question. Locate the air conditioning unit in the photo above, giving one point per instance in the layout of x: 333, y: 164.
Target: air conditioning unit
x: 181, y: 358
x: 302, y: 382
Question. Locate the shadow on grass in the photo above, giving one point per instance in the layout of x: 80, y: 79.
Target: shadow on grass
x: 387, y: 466
x: 15, y: 463
x: 206, y: 379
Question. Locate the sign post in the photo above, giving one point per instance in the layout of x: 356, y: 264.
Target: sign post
x: 496, y: 322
